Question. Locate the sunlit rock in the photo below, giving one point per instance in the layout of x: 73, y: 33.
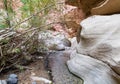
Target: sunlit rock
x: 97, y: 56
x: 108, y: 7
x: 54, y: 42
x: 92, y: 71
x: 100, y: 38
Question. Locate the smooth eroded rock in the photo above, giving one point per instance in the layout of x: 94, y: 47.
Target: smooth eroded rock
x: 97, y: 56
x: 100, y: 38
x: 92, y: 71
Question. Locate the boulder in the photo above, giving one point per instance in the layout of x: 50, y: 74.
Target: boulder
x: 12, y: 79
x: 3, y: 82
x: 54, y: 42
x: 97, y: 57
x: 100, y: 38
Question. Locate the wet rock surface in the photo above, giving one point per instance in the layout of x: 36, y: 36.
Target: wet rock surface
x: 59, y: 70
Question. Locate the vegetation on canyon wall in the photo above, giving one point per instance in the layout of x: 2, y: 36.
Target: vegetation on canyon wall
x: 20, y: 24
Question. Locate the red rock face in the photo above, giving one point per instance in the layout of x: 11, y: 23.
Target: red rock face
x: 73, y: 2
x: 72, y: 20
x: 85, y: 5
x: 1, y: 4
x: 108, y: 7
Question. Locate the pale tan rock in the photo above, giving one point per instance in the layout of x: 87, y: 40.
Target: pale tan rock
x: 97, y: 56
x: 73, y: 43
x: 100, y: 38
x: 92, y: 71
x: 51, y: 42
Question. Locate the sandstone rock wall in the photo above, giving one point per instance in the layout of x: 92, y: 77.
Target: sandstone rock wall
x: 97, y: 58
x: 108, y: 7
x: 96, y: 7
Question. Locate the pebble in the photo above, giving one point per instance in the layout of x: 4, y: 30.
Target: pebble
x: 3, y: 82
x: 34, y: 82
x: 12, y: 79
x: 35, y: 78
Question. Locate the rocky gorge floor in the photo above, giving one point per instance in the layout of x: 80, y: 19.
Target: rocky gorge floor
x: 47, y: 69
